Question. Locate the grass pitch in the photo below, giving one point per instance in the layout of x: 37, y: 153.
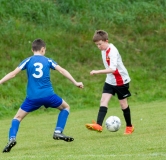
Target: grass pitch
x: 34, y: 140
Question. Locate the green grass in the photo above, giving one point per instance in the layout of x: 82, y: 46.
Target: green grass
x: 35, y: 136
x: 135, y: 27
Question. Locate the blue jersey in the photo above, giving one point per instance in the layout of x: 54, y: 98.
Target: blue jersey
x: 38, y: 73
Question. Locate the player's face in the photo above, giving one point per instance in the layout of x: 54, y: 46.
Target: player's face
x: 102, y: 45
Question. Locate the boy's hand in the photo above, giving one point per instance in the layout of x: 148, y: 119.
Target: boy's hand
x: 79, y: 85
x: 93, y: 72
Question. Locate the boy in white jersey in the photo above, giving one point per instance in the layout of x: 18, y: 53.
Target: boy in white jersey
x: 117, y: 82
x: 40, y: 92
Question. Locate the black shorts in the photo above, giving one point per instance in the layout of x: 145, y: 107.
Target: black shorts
x: 121, y: 91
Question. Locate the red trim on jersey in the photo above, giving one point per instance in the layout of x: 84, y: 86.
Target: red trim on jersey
x: 117, y: 75
x: 108, y: 58
x: 118, y: 78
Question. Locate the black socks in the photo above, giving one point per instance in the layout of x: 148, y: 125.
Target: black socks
x: 103, y: 111
x: 126, y: 113
x: 101, y: 115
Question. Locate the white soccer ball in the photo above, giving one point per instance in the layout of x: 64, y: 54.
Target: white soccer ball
x: 113, y: 123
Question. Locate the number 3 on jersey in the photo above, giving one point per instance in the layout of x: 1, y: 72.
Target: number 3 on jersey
x: 38, y: 68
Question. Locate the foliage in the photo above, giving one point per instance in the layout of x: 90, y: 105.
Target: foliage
x: 135, y: 27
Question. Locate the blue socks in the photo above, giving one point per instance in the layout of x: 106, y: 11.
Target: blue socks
x: 14, y: 128
x: 62, y: 118
x: 61, y: 122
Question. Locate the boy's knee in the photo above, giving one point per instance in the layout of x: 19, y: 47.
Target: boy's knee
x: 67, y: 107
x: 64, y: 105
x: 123, y: 105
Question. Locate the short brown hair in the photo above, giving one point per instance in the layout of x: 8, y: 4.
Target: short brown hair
x: 100, y: 35
x: 38, y: 44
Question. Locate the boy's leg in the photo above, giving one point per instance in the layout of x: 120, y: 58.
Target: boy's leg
x: 127, y: 116
x: 101, y: 114
x: 16, y: 122
x: 123, y: 93
x: 14, y: 129
x: 61, y: 123
x: 62, y: 119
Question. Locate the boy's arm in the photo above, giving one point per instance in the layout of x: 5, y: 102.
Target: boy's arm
x: 104, y: 71
x: 65, y: 73
x: 10, y: 75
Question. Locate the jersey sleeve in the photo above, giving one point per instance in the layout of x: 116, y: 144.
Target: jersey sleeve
x: 52, y: 63
x: 23, y: 64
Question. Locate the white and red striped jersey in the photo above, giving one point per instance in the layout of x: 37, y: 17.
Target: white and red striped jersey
x: 112, y: 59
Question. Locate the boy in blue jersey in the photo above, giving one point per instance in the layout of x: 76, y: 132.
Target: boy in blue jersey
x: 40, y: 92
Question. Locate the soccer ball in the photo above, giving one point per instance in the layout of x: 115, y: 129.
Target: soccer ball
x: 113, y: 123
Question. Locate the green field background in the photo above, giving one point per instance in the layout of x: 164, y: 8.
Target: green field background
x: 136, y: 27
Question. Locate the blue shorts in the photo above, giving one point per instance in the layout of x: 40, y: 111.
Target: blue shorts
x: 30, y: 105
